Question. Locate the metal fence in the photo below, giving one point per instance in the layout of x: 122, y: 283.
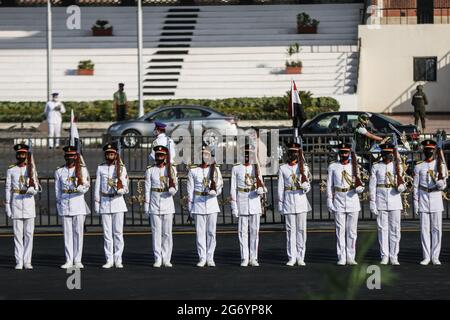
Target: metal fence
x: 318, y: 163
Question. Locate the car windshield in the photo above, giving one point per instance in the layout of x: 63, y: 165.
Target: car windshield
x: 388, y: 119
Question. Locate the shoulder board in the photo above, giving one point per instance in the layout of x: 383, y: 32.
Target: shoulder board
x: 148, y: 167
x: 57, y: 168
x: 419, y: 162
x: 237, y: 164
x: 103, y: 163
x: 192, y: 166
x: 11, y: 166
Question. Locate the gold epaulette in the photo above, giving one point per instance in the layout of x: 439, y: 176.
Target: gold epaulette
x: 192, y: 166
x: 237, y: 164
x: 419, y: 162
x: 11, y: 166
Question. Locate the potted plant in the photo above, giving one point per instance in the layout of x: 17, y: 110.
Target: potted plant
x: 293, y: 66
x: 305, y: 24
x: 101, y: 29
x: 85, y: 68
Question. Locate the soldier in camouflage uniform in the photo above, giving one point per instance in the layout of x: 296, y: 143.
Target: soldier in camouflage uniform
x: 419, y: 101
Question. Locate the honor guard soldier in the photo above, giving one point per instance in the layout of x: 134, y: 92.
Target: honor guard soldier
x: 162, y: 140
x: 204, y: 184
x: 429, y: 182
x: 21, y: 187
x: 293, y: 185
x: 53, y: 112
x: 71, y: 183
x: 161, y: 184
x: 111, y: 185
x: 386, y: 203
x: 343, y: 201
x: 246, y: 191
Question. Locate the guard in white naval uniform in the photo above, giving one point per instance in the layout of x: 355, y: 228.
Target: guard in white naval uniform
x: 70, y: 187
x: 293, y: 204
x: 53, y: 111
x: 386, y: 203
x: 110, y: 187
x: 202, y: 192
x: 20, y: 205
x: 159, y: 206
x: 246, y: 205
x: 343, y: 201
x: 162, y: 140
x: 428, y: 204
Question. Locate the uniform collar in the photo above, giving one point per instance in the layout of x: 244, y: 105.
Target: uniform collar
x: 429, y: 160
x: 344, y: 162
x: 21, y: 165
x: 292, y: 163
x: 162, y: 134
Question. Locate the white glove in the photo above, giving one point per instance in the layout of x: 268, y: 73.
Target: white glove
x: 172, y: 191
x: 359, y: 189
x: 260, y: 191
x: 401, y: 188
x: 121, y: 192
x: 97, y: 207
x: 373, y: 208
x: 146, y: 207
x: 190, y: 207
x: 212, y: 193
x: 8, y: 211
x: 305, y: 185
x: 82, y: 189
x: 416, y: 208
x: 440, y: 184
x: 235, y: 213
x: 330, y: 205
x: 31, y: 191
x: 280, y: 206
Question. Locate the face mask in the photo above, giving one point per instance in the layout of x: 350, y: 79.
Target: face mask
x: 344, y: 157
x: 159, y: 161
x: 109, y: 158
x: 387, y: 156
x: 292, y: 156
x: 428, y: 153
x: 69, y: 161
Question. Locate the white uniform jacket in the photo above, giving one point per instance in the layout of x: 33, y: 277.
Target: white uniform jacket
x: 158, y: 200
x: 383, y: 187
x: 22, y: 205
x: 70, y: 198
x: 52, y: 115
x: 243, y: 190
x: 290, y: 193
x: 339, y: 180
x: 200, y: 202
x: 426, y: 193
x: 106, y: 188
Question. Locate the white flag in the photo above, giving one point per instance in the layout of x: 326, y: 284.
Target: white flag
x: 74, y: 136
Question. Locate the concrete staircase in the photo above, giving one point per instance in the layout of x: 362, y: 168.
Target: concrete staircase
x: 198, y: 52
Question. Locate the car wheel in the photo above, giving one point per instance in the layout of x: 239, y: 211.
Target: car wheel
x: 131, y: 139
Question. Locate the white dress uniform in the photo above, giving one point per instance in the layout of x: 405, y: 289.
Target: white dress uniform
x: 20, y: 207
x: 54, y: 120
x: 344, y: 202
x: 293, y: 204
x: 204, y: 208
x: 246, y: 206
x: 159, y: 206
x: 163, y: 140
x: 428, y: 202
x: 386, y: 203
x: 112, y: 207
x: 73, y: 208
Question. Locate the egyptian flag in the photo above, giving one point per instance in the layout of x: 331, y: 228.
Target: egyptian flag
x: 296, y: 110
x: 75, y: 140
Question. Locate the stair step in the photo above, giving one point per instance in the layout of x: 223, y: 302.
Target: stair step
x: 184, y: 10
x: 174, y: 45
x: 180, y: 21
x: 164, y: 67
x: 176, y: 34
x: 172, y: 52
x: 179, y: 28
x: 175, y: 40
x: 160, y: 87
x: 159, y: 93
x: 166, y: 60
x: 182, y: 16
x: 162, y: 73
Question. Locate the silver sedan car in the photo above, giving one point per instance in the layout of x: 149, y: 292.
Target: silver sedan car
x: 190, y: 117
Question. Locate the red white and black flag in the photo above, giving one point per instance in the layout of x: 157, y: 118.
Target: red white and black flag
x: 294, y: 100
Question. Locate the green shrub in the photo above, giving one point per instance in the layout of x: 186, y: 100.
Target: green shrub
x: 266, y: 108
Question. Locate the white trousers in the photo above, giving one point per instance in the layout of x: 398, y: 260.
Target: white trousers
x: 389, y: 233
x: 346, y: 234
x: 205, y: 227
x: 162, y: 236
x: 73, y: 237
x: 54, y: 132
x: 249, y: 224
x: 113, y: 236
x: 431, y: 234
x: 296, y: 235
x: 23, y: 240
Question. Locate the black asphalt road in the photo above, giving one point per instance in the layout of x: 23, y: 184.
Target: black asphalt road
x: 272, y: 280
